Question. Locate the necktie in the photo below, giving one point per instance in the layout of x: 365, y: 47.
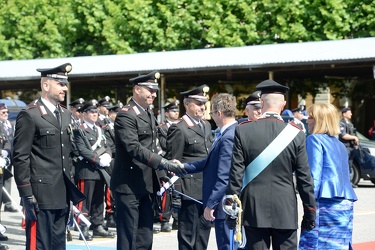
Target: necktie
x: 57, y: 113
x: 216, y: 139
x: 201, y: 126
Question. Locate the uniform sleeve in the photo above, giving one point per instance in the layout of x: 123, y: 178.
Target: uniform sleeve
x: 175, y: 143
x: 22, y: 145
x: 126, y: 129
x: 237, y: 166
x: 305, y: 182
x: 342, y: 129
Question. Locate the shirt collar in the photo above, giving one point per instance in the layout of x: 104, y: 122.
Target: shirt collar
x: 226, y: 126
x: 49, y: 105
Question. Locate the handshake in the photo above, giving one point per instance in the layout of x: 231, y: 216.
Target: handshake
x: 172, y: 166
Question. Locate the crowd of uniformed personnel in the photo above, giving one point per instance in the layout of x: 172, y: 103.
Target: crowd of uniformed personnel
x: 109, y: 159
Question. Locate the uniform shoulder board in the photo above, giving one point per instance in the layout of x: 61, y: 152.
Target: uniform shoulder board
x: 295, y: 125
x: 31, y: 107
x: 247, y: 121
x: 125, y: 108
x: 187, y: 120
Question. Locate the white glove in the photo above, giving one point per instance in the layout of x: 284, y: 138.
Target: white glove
x: 4, y: 153
x: 105, y: 160
x: 3, y: 162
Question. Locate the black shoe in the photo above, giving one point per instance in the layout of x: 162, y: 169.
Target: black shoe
x: 175, y: 225
x: 85, y: 233
x: 100, y: 232
x: 9, y: 209
x: 165, y: 227
x: 3, y: 247
x: 155, y: 230
x: 3, y: 237
x: 111, y: 223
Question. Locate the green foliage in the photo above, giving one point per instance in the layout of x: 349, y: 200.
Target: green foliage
x: 47, y: 28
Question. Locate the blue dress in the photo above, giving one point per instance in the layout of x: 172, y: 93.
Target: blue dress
x: 333, y: 191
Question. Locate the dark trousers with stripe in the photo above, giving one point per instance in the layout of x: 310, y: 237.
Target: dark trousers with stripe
x: 93, y: 206
x: 49, y: 231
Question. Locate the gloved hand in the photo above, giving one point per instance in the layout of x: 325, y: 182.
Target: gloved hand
x: 307, y: 225
x: 31, y: 207
x: 3, y: 162
x: 232, y: 223
x: 4, y: 153
x: 105, y: 160
x: 308, y: 221
x: 170, y: 166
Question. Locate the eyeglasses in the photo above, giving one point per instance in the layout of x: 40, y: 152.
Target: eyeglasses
x: 5, y: 112
x: 213, y: 112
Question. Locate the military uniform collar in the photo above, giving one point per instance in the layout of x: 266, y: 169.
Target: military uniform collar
x: 272, y: 115
x: 191, y: 118
x: 139, y: 106
x: 49, y: 105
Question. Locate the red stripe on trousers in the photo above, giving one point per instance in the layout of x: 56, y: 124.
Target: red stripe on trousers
x: 33, y: 236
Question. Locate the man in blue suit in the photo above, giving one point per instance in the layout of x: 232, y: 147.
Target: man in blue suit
x: 216, y: 165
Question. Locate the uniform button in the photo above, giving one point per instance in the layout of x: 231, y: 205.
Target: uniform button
x: 63, y: 157
x: 191, y: 175
x: 195, y: 140
x: 47, y: 132
x: 62, y: 132
x: 40, y: 180
x: 62, y: 145
x: 64, y: 169
x: 131, y: 167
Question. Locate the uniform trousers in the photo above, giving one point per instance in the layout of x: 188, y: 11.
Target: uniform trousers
x: 49, y: 231
x: 93, y: 206
x: 193, y: 229
x: 134, y: 221
x: 260, y: 238
x: 109, y: 201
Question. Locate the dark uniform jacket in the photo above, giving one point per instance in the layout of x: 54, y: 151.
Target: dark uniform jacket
x: 136, y: 161
x: 347, y: 128
x: 42, y: 162
x: 86, y: 168
x: 269, y: 200
x: 187, y: 143
x: 109, y: 132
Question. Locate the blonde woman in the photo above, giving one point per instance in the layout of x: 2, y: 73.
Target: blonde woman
x: 333, y: 191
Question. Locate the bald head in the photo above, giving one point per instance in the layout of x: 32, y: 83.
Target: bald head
x: 272, y: 103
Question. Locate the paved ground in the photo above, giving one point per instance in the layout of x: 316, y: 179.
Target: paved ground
x: 363, y: 234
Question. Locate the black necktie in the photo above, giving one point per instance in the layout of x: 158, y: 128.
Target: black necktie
x: 58, y: 117
x: 201, y: 126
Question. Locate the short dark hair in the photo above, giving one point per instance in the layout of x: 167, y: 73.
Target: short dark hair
x: 224, y: 102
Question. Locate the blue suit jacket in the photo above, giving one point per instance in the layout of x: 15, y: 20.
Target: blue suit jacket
x: 328, y: 160
x: 215, y: 169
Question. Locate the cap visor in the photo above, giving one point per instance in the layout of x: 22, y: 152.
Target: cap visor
x: 64, y: 81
